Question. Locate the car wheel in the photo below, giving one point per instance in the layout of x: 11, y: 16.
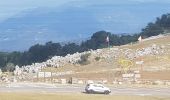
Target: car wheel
x: 106, y: 92
x: 91, y: 91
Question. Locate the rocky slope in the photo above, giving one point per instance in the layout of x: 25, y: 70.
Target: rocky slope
x: 149, y: 57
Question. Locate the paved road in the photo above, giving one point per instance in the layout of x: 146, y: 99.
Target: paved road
x: 50, y: 88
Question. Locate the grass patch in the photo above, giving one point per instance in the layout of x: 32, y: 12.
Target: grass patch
x: 97, y: 58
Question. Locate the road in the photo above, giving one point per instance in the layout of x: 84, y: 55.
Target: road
x: 51, y: 88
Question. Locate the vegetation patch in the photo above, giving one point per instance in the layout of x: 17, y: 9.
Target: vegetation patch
x: 97, y: 58
x: 84, y: 59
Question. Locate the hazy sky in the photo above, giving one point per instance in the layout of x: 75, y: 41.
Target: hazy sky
x: 11, y: 7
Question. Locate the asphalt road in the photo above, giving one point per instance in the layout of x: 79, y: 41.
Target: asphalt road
x: 51, y: 88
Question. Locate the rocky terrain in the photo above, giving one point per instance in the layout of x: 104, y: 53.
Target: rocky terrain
x: 145, y: 60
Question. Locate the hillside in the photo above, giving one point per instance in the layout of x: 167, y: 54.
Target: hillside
x: 154, y: 52
x: 148, y: 59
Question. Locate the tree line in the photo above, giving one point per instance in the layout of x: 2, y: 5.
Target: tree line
x: 42, y: 52
x: 160, y: 26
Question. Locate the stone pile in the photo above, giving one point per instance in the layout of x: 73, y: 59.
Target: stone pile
x: 111, y: 53
x: 59, y: 61
x: 151, y: 50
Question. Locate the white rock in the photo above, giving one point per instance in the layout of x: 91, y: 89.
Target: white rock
x: 167, y: 83
x: 63, y: 81
x: 159, y: 82
x: 90, y: 82
x: 137, y: 76
x: 139, y: 62
x: 80, y: 82
x: 127, y: 75
x: 120, y: 83
x: 0, y: 72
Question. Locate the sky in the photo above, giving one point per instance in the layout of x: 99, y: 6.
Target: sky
x: 9, y: 8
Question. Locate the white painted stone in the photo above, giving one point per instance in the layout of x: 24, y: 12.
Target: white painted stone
x: 41, y: 74
x: 167, y: 83
x: 90, y: 81
x: 137, y: 76
x: 105, y: 81
x: 127, y: 75
x: 63, y: 81
x: 136, y: 71
x: 139, y: 62
x: 120, y: 83
x: 80, y: 82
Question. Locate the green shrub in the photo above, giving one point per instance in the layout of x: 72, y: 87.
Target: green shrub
x: 97, y: 58
x: 84, y: 59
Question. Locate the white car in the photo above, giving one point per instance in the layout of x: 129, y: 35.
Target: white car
x: 97, y: 88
